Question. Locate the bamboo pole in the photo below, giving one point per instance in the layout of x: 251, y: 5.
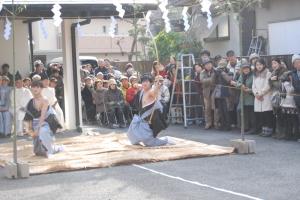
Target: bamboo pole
x: 242, y: 113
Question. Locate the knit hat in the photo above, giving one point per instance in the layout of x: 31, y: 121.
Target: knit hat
x: 244, y: 64
x: 132, y: 78
x: 206, y: 61
x: 128, y: 65
x: 37, y: 63
x: 36, y: 77
x: 123, y: 77
x: 295, y: 57
x: 88, y: 78
x: 252, y: 56
x: 99, y: 73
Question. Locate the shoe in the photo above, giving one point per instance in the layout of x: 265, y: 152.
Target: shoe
x: 263, y: 132
x: 267, y: 132
x: 111, y: 126
x: 122, y: 126
x: 207, y: 127
x: 227, y: 128
x: 250, y: 132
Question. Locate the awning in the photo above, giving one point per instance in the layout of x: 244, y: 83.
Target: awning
x: 79, y: 8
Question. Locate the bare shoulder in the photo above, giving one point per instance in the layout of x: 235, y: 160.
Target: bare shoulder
x: 45, y: 101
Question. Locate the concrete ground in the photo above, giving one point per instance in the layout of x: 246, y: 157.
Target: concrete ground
x: 272, y: 173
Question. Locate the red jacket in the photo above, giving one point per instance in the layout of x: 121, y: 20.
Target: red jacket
x: 130, y: 94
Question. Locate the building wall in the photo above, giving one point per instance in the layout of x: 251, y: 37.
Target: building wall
x: 276, y: 11
x: 22, y: 55
x: 98, y: 42
x: 221, y: 47
x: 95, y: 41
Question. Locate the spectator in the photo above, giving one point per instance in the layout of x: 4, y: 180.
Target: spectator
x: 172, y: 64
x: 262, y: 103
x: 115, y: 101
x: 158, y: 69
x: 27, y: 82
x: 129, y: 70
x: 288, y: 127
x: 163, y: 96
x: 220, y: 95
x: 102, y: 68
x: 252, y: 59
x: 217, y: 59
x: 5, y: 115
x: 23, y: 96
x: 131, y: 92
x: 59, y: 88
x: 5, y: 72
x: 245, y: 83
x: 105, y: 84
x: 99, y: 96
x: 84, y: 72
x: 276, y: 89
x: 124, y: 85
x: 99, y: 76
x: 49, y: 94
x: 296, y: 82
x: 39, y: 69
x: 205, y: 56
x: 233, y: 70
x: 207, y: 79
x: 87, y: 96
x: 198, y: 88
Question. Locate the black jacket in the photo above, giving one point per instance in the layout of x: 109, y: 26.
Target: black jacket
x: 296, y: 85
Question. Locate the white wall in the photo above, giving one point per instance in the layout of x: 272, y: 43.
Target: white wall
x: 40, y: 43
x: 95, y: 28
x: 279, y: 10
x: 291, y: 42
x: 21, y: 48
x: 221, y: 47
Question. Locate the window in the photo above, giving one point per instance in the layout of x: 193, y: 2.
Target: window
x: 221, y: 32
x: 104, y: 29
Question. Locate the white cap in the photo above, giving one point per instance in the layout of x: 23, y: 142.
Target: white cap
x: 295, y: 57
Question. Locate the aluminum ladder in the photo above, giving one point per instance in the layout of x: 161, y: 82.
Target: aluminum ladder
x: 186, y: 95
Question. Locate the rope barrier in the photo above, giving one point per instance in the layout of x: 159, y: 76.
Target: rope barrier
x: 238, y: 88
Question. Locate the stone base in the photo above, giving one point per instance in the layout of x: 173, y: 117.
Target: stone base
x: 243, y: 147
x: 11, y: 170
x: 23, y: 170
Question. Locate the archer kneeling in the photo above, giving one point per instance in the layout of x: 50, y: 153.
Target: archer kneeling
x: 44, y: 122
x: 150, y: 119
